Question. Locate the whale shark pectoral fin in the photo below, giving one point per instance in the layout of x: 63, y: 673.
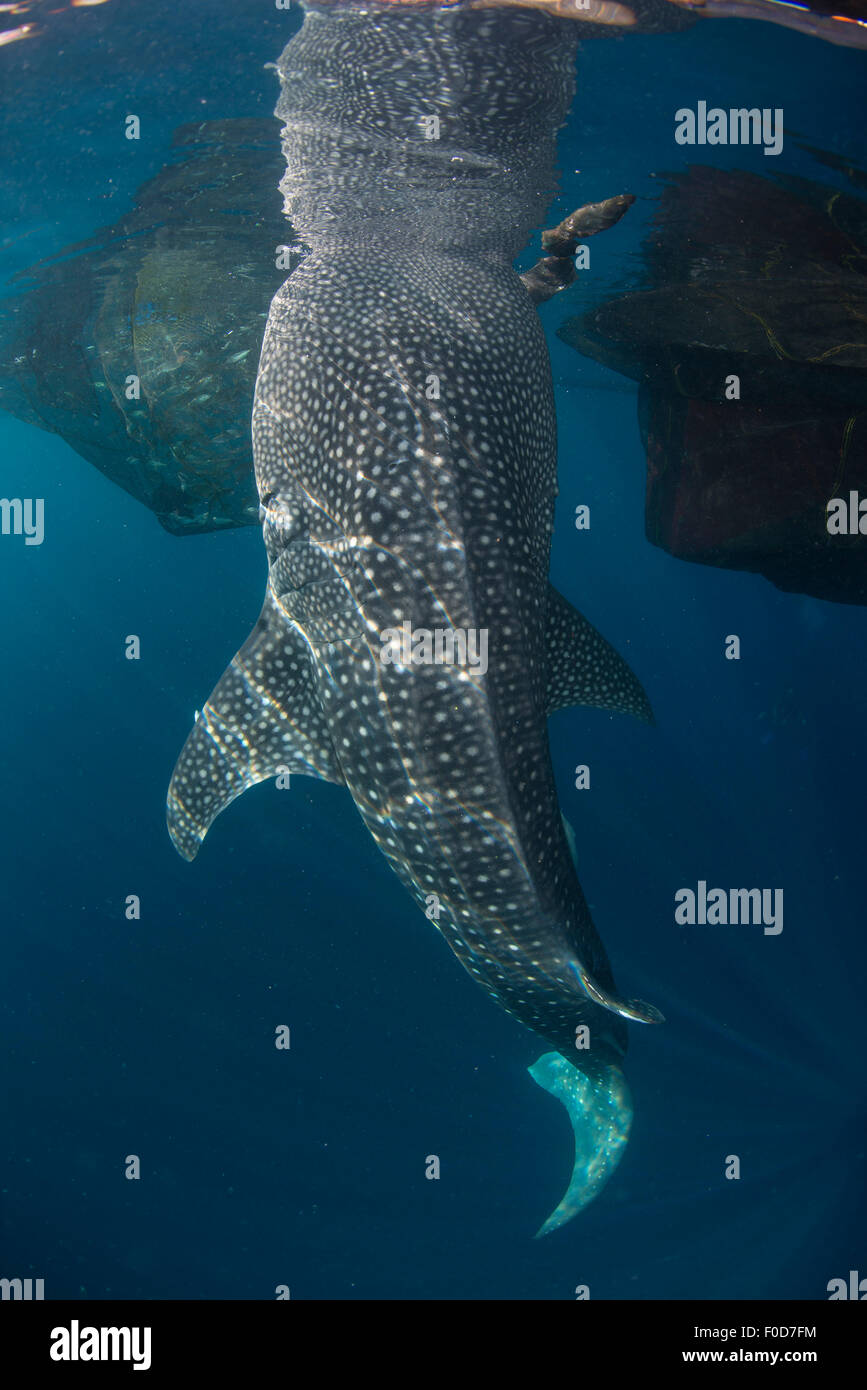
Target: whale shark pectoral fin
x: 600, y: 1112
x: 635, y: 1009
x: 262, y: 718
x: 584, y: 669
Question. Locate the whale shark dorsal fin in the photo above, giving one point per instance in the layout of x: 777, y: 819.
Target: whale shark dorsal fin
x: 263, y: 718
x: 584, y: 669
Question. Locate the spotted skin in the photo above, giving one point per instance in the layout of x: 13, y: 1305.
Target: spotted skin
x: 405, y: 449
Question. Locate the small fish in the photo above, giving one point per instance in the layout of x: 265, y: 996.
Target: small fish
x: 588, y: 11
x: 24, y: 31
x: 844, y: 30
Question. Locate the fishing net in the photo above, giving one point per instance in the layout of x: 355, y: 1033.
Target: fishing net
x: 750, y: 345
x: 175, y: 293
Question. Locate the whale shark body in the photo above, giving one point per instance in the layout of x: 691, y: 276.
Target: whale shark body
x: 405, y: 451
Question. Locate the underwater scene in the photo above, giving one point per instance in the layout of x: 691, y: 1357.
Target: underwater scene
x: 457, y: 897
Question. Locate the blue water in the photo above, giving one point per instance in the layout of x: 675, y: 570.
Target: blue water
x: 155, y: 1038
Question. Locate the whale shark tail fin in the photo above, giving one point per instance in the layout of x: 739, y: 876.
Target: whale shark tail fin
x: 263, y: 719
x: 600, y: 1112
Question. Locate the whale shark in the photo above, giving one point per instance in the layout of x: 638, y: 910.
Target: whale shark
x: 404, y: 440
